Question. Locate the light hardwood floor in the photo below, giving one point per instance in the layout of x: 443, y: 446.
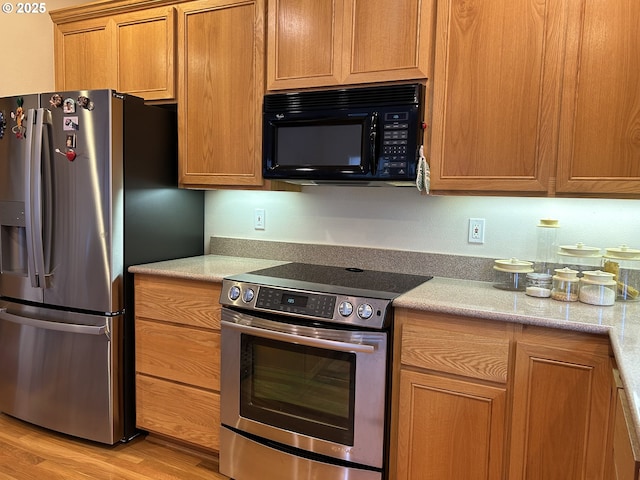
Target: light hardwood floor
x: 32, y: 453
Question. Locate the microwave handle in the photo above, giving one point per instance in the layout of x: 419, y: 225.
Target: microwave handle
x: 373, y: 133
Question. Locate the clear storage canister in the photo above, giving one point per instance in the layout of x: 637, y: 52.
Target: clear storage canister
x: 538, y: 285
x: 547, y: 246
x: 624, y: 263
x: 597, y: 288
x: 565, y: 285
x: 579, y: 257
x: 511, y: 274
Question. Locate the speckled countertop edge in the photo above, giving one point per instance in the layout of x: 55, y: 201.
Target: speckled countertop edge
x: 472, y: 299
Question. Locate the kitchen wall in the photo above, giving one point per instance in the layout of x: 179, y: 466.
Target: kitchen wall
x: 26, y: 55
x: 402, y: 219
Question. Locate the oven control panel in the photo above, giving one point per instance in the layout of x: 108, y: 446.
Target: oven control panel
x: 334, y: 308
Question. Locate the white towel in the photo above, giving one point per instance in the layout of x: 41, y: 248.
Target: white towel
x: 423, y: 178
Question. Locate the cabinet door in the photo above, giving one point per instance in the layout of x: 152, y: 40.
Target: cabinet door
x: 83, y: 57
x: 449, y: 429
x: 305, y: 41
x: 220, y: 92
x: 560, y: 413
x: 387, y: 40
x: 334, y: 42
x: 495, y: 100
x: 600, y: 123
x: 143, y: 46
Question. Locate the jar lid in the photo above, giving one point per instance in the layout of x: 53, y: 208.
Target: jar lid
x: 549, y: 223
x: 539, y: 276
x: 598, y: 277
x: 513, y: 265
x: 579, y: 250
x: 622, y: 253
x: 566, y: 273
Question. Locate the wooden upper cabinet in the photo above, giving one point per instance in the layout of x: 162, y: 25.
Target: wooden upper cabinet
x: 82, y: 55
x: 599, y: 144
x: 144, y: 51
x: 537, y: 98
x: 304, y: 41
x: 133, y: 52
x: 496, y: 84
x: 334, y: 42
x: 220, y: 46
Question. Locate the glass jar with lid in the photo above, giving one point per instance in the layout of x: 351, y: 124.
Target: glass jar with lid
x: 547, y: 246
x: 511, y: 274
x: 579, y: 257
x: 624, y: 263
x: 597, y: 288
x: 538, y: 285
x: 565, y: 285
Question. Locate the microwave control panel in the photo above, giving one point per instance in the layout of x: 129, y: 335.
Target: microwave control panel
x: 395, y: 128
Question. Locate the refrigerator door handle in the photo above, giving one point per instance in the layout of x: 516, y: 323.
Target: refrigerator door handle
x: 56, y: 326
x: 33, y: 193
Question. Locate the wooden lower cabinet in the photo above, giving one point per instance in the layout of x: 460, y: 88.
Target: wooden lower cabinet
x: 481, y: 399
x: 625, y: 448
x: 561, y: 404
x: 450, y: 402
x: 449, y: 429
x: 178, y: 359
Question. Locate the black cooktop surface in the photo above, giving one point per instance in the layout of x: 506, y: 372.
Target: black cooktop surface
x: 337, y: 280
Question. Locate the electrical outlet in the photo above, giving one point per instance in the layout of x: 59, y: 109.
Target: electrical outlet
x: 258, y: 219
x: 476, y: 230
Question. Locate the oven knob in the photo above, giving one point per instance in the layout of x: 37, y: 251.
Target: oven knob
x: 234, y: 293
x: 345, y: 309
x: 248, y: 295
x: 365, y: 311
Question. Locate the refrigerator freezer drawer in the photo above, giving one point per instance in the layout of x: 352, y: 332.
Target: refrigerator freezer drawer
x: 62, y: 375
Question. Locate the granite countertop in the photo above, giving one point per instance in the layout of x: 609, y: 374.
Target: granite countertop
x: 472, y: 299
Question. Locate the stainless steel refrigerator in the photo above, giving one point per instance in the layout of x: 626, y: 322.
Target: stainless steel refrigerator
x: 88, y: 187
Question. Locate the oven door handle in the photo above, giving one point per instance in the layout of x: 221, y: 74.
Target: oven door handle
x: 302, y: 340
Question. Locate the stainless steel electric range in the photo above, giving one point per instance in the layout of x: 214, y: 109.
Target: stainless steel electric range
x: 305, y: 377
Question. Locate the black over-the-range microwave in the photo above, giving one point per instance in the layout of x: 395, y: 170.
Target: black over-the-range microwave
x: 349, y: 135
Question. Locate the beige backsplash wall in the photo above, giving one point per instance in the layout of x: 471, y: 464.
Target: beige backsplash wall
x: 401, y: 219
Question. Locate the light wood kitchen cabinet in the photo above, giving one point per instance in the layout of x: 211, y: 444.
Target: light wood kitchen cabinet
x: 178, y: 359
x: 336, y: 42
x: 599, y: 144
x: 82, y: 54
x: 221, y: 69
x: 625, y: 448
x: 131, y: 52
x: 144, y: 53
x: 451, y: 398
x: 536, y: 98
x: 561, y: 404
x: 514, y: 401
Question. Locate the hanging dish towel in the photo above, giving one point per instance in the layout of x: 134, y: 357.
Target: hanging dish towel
x: 423, y: 179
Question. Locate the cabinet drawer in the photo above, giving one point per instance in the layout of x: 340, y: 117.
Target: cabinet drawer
x: 178, y: 411
x: 460, y: 349
x: 189, y: 302
x: 183, y: 354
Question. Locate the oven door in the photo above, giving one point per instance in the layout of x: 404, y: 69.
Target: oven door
x: 313, y: 388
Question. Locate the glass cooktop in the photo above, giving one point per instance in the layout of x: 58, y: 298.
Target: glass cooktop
x: 338, y: 280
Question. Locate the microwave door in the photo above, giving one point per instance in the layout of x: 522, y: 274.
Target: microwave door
x: 332, y: 148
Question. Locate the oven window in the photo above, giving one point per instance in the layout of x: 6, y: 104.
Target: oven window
x: 303, y: 389
x: 319, y: 145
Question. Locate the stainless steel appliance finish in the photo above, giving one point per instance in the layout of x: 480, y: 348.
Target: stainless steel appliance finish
x: 88, y: 186
x: 306, y: 372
